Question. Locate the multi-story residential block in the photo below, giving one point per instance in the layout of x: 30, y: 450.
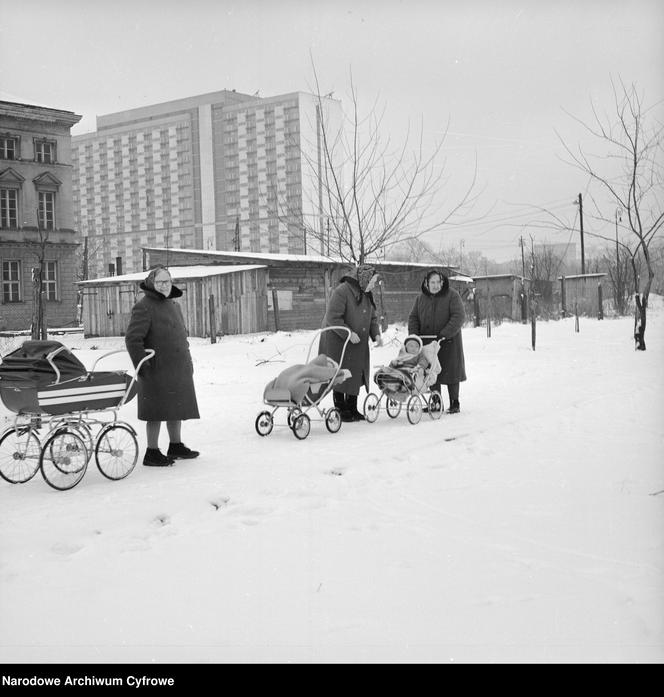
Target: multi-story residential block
x: 220, y: 171
x: 36, y: 215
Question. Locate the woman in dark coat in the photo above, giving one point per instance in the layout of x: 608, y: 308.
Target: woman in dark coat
x: 439, y: 311
x: 352, y: 305
x: 165, y: 382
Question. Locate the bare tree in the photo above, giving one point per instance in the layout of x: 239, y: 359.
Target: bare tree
x: 631, y: 170
x: 38, y: 328
x: 371, y: 196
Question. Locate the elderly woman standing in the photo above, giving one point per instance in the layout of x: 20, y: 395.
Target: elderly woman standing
x: 352, y: 305
x: 165, y: 382
x: 439, y: 312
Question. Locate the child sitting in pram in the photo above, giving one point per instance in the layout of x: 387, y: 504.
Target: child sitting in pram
x: 413, y: 360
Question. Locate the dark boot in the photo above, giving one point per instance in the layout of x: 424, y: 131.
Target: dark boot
x: 155, y: 458
x: 179, y: 451
x: 341, y: 403
x: 455, y: 407
x: 351, y: 404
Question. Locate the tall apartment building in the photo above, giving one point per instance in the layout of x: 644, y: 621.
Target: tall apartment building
x: 220, y: 171
x: 36, y: 215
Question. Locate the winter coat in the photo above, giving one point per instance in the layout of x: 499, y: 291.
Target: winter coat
x: 441, y: 315
x: 350, y: 307
x: 165, y: 382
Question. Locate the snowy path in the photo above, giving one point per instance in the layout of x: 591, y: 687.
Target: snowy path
x: 525, y: 528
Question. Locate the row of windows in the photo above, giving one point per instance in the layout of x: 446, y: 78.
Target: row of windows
x: 9, y: 208
x: 12, y: 283
x: 44, y: 150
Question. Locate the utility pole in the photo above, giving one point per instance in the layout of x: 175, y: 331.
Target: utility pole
x: 583, y: 254
x: 523, y: 260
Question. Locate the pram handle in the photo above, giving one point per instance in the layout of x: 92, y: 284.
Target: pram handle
x: 148, y: 355
x: 53, y: 354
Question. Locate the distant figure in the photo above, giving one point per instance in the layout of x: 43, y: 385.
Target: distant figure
x: 165, y: 382
x: 439, y: 312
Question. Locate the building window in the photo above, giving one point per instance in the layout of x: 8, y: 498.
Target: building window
x: 9, y: 148
x: 11, y: 282
x: 47, y: 210
x: 45, y: 151
x: 8, y: 208
x: 50, y: 280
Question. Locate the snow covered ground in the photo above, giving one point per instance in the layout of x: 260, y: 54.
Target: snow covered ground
x: 527, y: 528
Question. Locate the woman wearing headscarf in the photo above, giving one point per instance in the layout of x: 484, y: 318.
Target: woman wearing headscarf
x: 165, y: 382
x: 352, y: 305
x: 439, y: 312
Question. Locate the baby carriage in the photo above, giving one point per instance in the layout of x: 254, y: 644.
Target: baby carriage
x: 46, y: 386
x: 300, y: 390
x: 407, y: 380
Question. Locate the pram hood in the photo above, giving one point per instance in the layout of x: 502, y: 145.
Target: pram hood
x: 28, y: 364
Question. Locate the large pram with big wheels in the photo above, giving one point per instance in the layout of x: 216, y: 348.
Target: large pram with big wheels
x: 301, y: 389
x: 407, y: 386
x: 64, y: 414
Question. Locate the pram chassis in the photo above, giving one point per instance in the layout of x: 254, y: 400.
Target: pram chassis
x: 415, y: 403
x: 298, y: 419
x: 71, y: 438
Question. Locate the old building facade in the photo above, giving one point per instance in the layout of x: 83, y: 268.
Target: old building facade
x: 36, y: 214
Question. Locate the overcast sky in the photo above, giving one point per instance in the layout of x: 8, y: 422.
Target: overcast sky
x: 503, y: 74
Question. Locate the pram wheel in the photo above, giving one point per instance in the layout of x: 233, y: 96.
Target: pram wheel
x: 116, y: 451
x: 19, y: 455
x: 371, y: 407
x: 414, y: 409
x: 264, y: 423
x: 435, y: 405
x: 392, y: 407
x: 63, y: 460
x: 301, y: 426
x: 333, y: 420
x: 292, y: 415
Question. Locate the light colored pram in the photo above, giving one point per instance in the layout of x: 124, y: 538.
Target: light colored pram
x: 46, y: 386
x: 407, y: 380
x: 301, y: 388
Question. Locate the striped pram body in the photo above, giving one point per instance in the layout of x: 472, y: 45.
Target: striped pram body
x: 30, y: 383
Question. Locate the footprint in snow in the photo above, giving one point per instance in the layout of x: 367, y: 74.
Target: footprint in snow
x: 162, y: 519
x: 337, y: 472
x: 220, y: 502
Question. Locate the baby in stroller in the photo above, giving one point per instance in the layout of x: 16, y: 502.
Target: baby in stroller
x: 413, y: 370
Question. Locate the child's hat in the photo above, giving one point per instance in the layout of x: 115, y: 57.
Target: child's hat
x: 413, y: 337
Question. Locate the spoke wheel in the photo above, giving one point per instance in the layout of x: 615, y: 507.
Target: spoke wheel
x: 414, y: 409
x: 80, y: 428
x: 116, y: 451
x: 301, y: 426
x: 19, y: 455
x: 264, y: 423
x: 371, y: 407
x: 392, y: 407
x: 333, y: 420
x: 63, y: 460
x: 292, y: 415
x: 435, y: 406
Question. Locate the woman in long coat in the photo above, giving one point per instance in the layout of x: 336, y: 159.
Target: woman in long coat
x: 165, y: 382
x: 352, y: 305
x: 439, y: 311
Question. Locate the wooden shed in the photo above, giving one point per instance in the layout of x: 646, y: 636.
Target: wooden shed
x: 300, y: 285
x: 216, y: 300
x: 501, y: 296
x: 581, y: 294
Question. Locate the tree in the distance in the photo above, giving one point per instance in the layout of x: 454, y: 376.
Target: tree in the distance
x: 629, y: 167
x: 372, y: 195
